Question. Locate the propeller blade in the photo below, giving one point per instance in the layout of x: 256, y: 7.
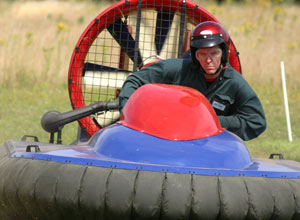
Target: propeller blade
x: 121, y: 34
x: 147, y: 33
x: 164, y: 21
x: 103, y: 76
x: 96, y: 67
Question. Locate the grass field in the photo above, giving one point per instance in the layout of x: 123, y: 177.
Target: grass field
x: 37, y: 40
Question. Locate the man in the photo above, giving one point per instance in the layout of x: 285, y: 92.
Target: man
x: 234, y: 101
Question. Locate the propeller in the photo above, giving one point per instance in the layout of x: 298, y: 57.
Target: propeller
x: 158, y: 32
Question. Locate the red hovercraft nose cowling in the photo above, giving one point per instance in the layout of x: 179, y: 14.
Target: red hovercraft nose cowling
x: 170, y: 112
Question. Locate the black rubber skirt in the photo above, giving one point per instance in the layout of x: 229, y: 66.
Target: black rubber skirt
x: 36, y: 189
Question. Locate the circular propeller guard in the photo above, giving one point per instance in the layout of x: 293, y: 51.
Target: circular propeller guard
x: 122, y: 39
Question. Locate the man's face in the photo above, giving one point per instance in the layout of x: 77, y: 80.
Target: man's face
x: 209, y: 58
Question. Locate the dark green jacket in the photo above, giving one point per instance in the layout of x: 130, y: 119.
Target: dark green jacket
x: 236, y: 104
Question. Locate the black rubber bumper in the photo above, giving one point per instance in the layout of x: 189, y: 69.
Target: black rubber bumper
x: 36, y: 189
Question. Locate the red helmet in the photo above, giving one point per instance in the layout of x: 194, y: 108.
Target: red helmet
x: 209, y: 34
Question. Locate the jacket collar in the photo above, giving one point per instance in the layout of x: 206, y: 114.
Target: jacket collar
x: 228, y: 72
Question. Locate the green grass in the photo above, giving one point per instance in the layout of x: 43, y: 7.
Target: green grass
x: 23, y: 107
x: 275, y: 138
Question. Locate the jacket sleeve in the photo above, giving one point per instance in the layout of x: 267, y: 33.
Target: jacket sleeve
x: 248, y: 120
x: 155, y: 73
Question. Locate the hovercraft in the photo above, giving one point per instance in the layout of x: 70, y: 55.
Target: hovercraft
x: 165, y: 157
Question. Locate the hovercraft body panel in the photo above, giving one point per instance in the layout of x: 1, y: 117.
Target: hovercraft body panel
x: 222, y: 155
